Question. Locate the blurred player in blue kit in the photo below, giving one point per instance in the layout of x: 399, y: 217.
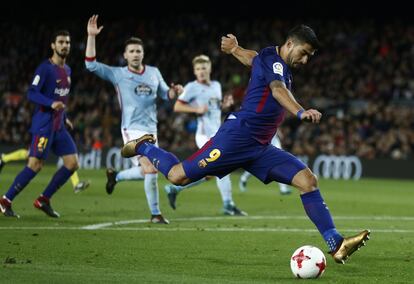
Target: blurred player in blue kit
x: 243, y: 140
x: 49, y: 92
x: 137, y: 85
x: 204, y: 98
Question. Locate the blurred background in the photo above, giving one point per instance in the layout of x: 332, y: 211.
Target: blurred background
x: 362, y: 80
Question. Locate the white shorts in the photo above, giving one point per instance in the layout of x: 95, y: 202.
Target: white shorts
x: 201, y: 140
x: 276, y: 142
x: 128, y: 135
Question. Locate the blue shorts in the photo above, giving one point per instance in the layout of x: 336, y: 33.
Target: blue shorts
x: 234, y: 147
x: 59, y: 141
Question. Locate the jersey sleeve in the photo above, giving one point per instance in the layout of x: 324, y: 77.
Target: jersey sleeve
x: 220, y: 91
x: 34, y: 93
x: 187, y: 95
x: 103, y: 71
x: 273, y: 69
x: 162, y: 90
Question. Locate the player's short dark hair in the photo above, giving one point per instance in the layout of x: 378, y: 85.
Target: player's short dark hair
x: 134, y: 40
x: 304, y: 34
x: 59, y: 33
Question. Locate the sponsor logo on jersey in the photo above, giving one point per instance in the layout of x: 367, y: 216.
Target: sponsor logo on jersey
x: 62, y: 91
x: 143, y: 90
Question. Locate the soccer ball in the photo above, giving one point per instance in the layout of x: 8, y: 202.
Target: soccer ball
x: 308, y: 262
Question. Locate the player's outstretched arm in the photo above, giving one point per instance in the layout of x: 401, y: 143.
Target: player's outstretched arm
x: 230, y: 45
x: 93, y: 31
x: 286, y: 99
x: 180, y: 106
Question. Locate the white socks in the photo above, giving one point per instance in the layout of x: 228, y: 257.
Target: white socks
x: 133, y: 173
x: 151, y: 191
x: 224, y: 185
x: 245, y: 176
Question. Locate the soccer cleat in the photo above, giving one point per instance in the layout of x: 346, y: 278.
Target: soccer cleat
x: 81, y: 186
x: 129, y: 149
x: 110, y: 180
x: 238, y: 212
x: 171, y: 194
x: 43, y: 203
x: 232, y: 210
x: 159, y: 219
x: 349, y: 245
x: 242, y: 185
x: 5, y: 207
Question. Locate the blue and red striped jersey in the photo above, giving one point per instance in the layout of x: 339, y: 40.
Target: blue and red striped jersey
x: 50, y: 83
x: 261, y: 111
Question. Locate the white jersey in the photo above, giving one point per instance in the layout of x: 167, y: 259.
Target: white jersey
x: 197, y: 94
x: 137, y: 93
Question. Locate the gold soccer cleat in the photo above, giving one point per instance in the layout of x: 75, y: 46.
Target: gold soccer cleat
x: 128, y: 150
x: 349, y: 246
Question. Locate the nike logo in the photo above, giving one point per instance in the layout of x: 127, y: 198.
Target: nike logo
x: 58, y: 81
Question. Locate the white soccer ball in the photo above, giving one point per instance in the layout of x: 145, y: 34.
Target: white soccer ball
x: 308, y: 262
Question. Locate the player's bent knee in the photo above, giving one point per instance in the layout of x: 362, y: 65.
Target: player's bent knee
x: 306, y: 181
x: 72, y: 166
x: 177, y: 176
x: 35, y: 165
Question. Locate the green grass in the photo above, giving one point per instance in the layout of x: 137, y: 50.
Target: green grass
x: 257, y: 249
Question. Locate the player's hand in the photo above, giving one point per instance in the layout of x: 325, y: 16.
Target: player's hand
x: 93, y: 29
x: 179, y: 89
x: 69, y: 123
x: 311, y: 115
x: 175, y: 90
x: 229, y: 43
x: 202, y: 109
x: 228, y: 101
x: 57, y: 105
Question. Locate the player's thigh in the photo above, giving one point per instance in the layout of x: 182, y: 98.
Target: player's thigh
x: 274, y: 164
x: 41, y: 145
x: 147, y: 166
x: 128, y: 135
x: 63, y: 144
x: 218, y: 157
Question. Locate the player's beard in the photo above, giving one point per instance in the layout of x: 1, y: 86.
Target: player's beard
x: 63, y: 53
x: 136, y: 64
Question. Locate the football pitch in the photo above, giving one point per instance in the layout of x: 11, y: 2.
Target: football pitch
x: 107, y: 238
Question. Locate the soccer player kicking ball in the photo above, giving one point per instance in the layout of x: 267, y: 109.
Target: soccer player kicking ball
x: 243, y: 141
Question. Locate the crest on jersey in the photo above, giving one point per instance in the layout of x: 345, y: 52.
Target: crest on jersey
x: 36, y: 80
x: 143, y: 90
x: 278, y: 68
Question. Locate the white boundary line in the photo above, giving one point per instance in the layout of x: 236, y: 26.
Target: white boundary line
x: 140, y: 221
x: 193, y: 229
x: 108, y: 226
